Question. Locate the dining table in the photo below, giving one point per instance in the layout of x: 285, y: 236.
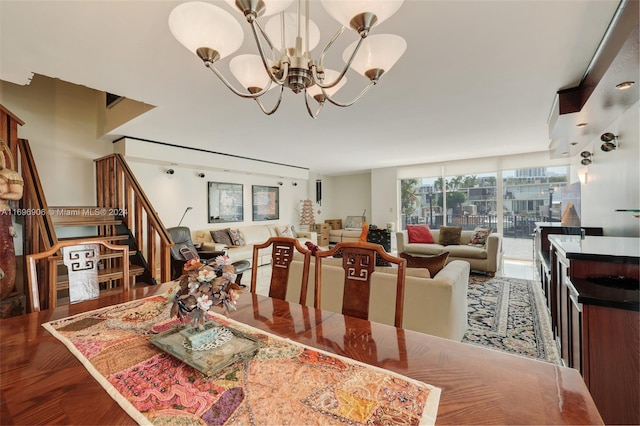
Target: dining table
x: 42, y: 382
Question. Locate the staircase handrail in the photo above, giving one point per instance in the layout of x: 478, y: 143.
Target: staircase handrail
x: 117, y: 187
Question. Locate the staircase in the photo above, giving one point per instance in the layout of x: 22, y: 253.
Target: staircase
x: 122, y: 215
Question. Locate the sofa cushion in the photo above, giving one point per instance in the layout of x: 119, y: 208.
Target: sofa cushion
x: 236, y: 237
x: 433, y: 263
x: 286, y: 231
x: 450, y: 235
x: 425, y: 249
x: 479, y: 237
x: 420, y: 234
x: 467, y: 252
x: 221, y: 236
x: 408, y: 272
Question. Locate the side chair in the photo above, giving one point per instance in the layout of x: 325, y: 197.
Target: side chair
x: 81, y: 257
x: 359, y: 262
x: 283, y: 250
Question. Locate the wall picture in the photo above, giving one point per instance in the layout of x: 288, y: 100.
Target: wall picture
x: 265, y: 202
x: 225, y: 202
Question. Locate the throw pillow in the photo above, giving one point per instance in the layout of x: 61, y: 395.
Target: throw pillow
x: 420, y: 234
x: 479, y: 237
x: 285, y: 231
x: 237, y: 238
x: 221, y: 236
x: 433, y: 263
x: 450, y: 235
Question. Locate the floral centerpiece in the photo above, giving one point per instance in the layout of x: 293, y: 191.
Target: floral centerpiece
x: 203, y: 286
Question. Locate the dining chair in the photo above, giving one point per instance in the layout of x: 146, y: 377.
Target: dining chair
x: 282, y: 255
x: 359, y: 262
x: 82, y: 259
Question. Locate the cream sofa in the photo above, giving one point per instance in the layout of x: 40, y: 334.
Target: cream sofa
x: 486, y: 259
x: 253, y: 234
x: 344, y: 235
x: 436, y: 306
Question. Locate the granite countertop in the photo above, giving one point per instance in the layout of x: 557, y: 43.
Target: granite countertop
x: 608, y: 249
x: 612, y: 296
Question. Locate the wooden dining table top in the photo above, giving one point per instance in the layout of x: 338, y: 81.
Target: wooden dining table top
x: 41, y: 382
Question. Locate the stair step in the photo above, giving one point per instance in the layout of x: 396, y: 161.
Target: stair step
x: 83, y: 216
x: 104, y: 275
x: 109, y: 238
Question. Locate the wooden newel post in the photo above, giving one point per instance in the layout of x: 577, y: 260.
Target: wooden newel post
x: 11, y: 187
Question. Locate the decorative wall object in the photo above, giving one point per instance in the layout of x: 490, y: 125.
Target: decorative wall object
x: 265, y: 202
x: 225, y: 202
x: 306, y: 213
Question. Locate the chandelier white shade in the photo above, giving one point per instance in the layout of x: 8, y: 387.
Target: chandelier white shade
x: 190, y: 24
x: 344, y: 11
x: 285, y: 43
x: 378, y: 53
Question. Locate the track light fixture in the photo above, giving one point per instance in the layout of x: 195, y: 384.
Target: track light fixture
x: 280, y: 182
x: 170, y: 171
x: 610, y: 142
x: 294, y: 183
x: 587, y: 158
x: 201, y: 175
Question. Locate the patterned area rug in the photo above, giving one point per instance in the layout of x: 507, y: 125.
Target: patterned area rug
x: 510, y: 315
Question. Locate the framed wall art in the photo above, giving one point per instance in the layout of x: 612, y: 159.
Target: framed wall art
x: 265, y: 202
x: 225, y: 202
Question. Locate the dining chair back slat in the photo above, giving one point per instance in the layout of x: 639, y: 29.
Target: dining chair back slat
x: 359, y: 263
x: 283, y: 250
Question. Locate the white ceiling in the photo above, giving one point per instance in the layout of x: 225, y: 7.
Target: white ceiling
x: 478, y: 79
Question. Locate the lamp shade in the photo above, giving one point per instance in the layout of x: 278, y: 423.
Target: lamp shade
x: 329, y: 77
x: 271, y: 7
x: 343, y: 11
x: 380, y: 51
x: 249, y: 71
x: 274, y: 27
x: 198, y: 24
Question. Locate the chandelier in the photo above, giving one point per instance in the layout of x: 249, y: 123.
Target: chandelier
x: 286, y: 62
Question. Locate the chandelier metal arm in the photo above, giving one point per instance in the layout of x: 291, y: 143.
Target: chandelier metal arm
x: 306, y: 102
x: 255, y: 27
x: 276, y: 106
x: 354, y: 100
x: 256, y: 95
x: 317, y: 79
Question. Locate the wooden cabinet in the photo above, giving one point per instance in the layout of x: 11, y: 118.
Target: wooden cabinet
x: 323, y: 233
x: 598, y: 319
x: 334, y: 223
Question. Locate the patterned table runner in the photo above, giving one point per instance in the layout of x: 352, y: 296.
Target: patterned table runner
x: 285, y: 383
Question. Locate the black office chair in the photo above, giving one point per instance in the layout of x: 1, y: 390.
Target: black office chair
x: 184, y: 250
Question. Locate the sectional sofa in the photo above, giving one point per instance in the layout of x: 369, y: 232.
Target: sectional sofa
x: 433, y: 305
x: 252, y: 234
x: 487, y: 258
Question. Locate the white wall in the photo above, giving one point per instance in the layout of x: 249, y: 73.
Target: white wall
x: 613, y: 180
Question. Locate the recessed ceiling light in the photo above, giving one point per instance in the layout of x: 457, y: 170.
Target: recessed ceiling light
x: 625, y: 85
x: 565, y: 153
x: 582, y: 124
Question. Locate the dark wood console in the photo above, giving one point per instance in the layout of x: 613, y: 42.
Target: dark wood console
x: 595, y: 285
x: 542, y: 254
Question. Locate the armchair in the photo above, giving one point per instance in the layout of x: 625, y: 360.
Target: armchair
x: 184, y: 249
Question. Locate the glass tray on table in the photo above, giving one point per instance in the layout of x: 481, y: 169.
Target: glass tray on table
x: 230, y: 347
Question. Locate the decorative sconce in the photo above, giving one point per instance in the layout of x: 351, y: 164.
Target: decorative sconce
x: 201, y: 175
x: 587, y: 158
x: 610, y: 142
x: 170, y: 171
x: 582, y: 175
